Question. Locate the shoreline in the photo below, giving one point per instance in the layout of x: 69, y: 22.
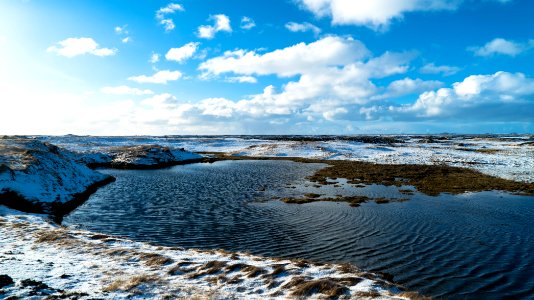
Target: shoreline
x: 114, y: 267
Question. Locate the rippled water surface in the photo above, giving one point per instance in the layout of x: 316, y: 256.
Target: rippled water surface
x: 469, y: 246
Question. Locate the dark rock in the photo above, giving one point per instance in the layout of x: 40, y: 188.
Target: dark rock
x: 5, y: 280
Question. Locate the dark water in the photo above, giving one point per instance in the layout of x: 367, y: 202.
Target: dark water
x: 470, y: 246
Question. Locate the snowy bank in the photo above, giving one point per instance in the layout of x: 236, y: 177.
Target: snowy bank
x: 139, y: 157
x: 508, y: 157
x: 42, y: 260
x: 40, y: 177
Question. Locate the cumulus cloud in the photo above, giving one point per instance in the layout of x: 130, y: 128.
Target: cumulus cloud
x: 501, y: 46
x: 154, y: 58
x: 289, y: 61
x: 183, y: 53
x: 335, y: 77
x: 125, y: 90
x: 161, y: 77
x: 247, y: 23
x: 242, y: 79
x: 375, y: 14
x: 163, y: 13
x: 72, y: 47
x: 303, y: 27
x: 121, y: 29
x: 221, y: 23
x: 502, y: 89
x: 431, y: 68
x: 408, y: 86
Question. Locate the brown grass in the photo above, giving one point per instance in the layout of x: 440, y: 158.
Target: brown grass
x: 131, y: 283
x: 347, y: 268
x: 428, y: 179
x: 381, y: 200
x: 155, y: 260
x: 51, y: 236
x: 325, y: 286
x: 488, y: 151
x: 413, y: 296
x: 277, y: 270
x: 368, y: 294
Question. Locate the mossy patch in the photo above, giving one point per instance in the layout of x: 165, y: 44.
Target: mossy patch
x: 428, y: 179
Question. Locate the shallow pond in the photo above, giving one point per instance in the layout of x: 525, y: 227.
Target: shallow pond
x: 475, y: 245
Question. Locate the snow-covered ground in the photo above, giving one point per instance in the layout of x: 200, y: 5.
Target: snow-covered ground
x: 137, y: 156
x: 506, y: 157
x: 47, y: 260
x: 42, y: 173
x: 65, y: 262
x: 39, y: 176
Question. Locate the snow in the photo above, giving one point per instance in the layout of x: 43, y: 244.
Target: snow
x: 137, y: 156
x: 72, y: 261
x: 502, y: 156
x: 41, y: 172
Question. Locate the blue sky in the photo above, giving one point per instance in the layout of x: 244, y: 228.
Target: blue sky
x: 266, y: 67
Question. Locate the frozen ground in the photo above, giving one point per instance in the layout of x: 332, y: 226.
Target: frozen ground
x: 510, y: 157
x: 42, y: 173
x: 37, y: 176
x: 47, y: 260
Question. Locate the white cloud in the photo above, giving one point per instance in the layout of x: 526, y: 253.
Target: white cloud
x: 125, y: 90
x: 165, y: 100
x: 431, y: 68
x: 475, y: 91
x: 375, y: 14
x: 154, y: 58
x: 290, y: 61
x: 161, y: 77
x: 121, y: 29
x: 247, y: 23
x: 80, y: 46
x: 183, y: 53
x: 303, y: 27
x: 242, y: 79
x: 221, y: 23
x: 162, y: 15
x: 408, y: 86
x: 502, y: 47
x: 334, y: 77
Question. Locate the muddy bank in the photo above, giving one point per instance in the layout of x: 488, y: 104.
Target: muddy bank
x: 428, y: 179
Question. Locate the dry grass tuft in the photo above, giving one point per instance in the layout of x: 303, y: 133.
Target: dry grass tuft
x: 325, y: 286
x: 381, y: 200
x: 277, y: 270
x: 368, y: 294
x: 118, y: 252
x: 130, y: 284
x: 51, y: 236
x: 209, y: 268
x: 155, y: 260
x: 413, y: 296
x: 253, y: 271
x: 347, y: 268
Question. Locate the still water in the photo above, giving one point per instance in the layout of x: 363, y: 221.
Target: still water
x: 477, y: 245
